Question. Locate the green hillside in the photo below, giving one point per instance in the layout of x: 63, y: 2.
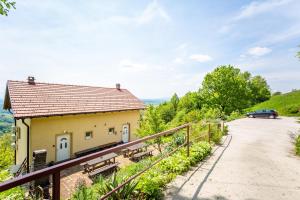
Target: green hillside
x: 286, y: 104
x: 6, y: 120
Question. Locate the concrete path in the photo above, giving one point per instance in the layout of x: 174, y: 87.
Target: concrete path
x: 256, y: 161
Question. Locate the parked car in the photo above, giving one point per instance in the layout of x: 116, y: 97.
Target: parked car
x: 263, y: 113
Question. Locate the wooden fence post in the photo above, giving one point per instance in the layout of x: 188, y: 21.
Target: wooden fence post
x: 222, y: 126
x: 56, y: 186
x: 188, y: 140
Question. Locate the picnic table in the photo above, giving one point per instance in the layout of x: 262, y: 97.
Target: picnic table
x: 106, y: 162
x: 137, y: 151
x: 136, y: 148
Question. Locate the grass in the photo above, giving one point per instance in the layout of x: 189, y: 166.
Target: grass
x: 286, y: 104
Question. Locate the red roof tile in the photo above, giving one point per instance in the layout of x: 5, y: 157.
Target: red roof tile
x: 44, y: 99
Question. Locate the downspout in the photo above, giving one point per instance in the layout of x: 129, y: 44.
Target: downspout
x: 28, y: 131
x: 15, y: 123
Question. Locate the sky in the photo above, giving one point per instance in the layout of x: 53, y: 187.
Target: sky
x: 153, y: 48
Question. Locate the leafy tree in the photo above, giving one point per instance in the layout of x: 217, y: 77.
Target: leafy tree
x: 167, y: 111
x: 5, y: 6
x: 190, y: 101
x: 175, y: 101
x: 6, y: 151
x: 150, y: 124
x: 259, y: 89
x: 226, y: 87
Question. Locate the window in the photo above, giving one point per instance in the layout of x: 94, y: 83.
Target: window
x: 88, y: 135
x: 111, y: 131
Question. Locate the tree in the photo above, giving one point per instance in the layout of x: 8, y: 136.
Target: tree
x: 190, y: 101
x: 260, y: 90
x: 175, y: 101
x: 226, y: 87
x: 167, y: 111
x: 150, y: 124
x: 5, y: 6
x: 6, y: 151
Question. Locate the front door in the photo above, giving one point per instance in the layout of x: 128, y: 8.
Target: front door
x: 62, y: 147
x: 125, y: 133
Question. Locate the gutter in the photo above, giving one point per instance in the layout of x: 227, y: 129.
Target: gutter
x: 15, y: 123
x: 28, y: 131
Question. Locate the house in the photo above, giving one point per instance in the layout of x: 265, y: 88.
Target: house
x: 68, y: 119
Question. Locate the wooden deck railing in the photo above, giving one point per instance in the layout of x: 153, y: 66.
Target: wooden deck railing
x: 56, y: 169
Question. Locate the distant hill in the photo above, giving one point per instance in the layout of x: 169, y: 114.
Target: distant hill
x: 153, y: 101
x: 286, y: 104
x: 6, y: 119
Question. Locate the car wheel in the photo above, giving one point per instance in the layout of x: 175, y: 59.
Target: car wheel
x: 251, y: 116
x: 272, y: 117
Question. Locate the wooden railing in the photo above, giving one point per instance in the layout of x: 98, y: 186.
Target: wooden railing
x: 55, y: 170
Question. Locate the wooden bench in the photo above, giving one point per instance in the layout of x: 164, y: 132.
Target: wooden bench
x: 103, y: 169
x: 140, y: 155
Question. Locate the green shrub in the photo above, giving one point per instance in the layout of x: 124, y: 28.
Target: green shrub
x: 234, y: 115
x: 209, y: 113
x: 225, y: 131
x: 297, y: 145
x: 153, y: 181
x: 82, y: 192
x: 6, y: 151
x: 216, y: 135
x: 293, y: 109
x: 126, y: 192
x: 12, y: 194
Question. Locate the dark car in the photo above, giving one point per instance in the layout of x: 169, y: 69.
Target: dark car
x: 263, y: 113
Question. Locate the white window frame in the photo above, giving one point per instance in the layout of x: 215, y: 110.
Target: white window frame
x: 88, y: 135
x: 111, y: 132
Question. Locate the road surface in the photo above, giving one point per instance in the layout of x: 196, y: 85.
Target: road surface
x: 255, y: 162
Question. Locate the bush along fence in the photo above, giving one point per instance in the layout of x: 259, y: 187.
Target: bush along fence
x: 142, y: 180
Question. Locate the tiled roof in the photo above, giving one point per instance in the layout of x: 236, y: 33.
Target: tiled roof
x: 44, y: 99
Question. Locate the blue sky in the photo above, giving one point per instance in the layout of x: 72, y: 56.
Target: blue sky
x: 154, y: 48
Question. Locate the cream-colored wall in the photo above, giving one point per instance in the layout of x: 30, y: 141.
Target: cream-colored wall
x: 45, y: 130
x: 21, y: 143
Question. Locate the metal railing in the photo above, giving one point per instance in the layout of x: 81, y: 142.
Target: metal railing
x: 22, y: 167
x: 55, y: 170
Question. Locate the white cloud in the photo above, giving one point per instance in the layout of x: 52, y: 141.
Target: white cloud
x: 200, y: 57
x: 255, y: 8
x: 128, y: 65
x: 275, y: 38
x: 259, y: 51
x: 178, y: 60
x: 153, y: 10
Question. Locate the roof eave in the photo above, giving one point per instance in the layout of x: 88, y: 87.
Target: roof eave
x: 80, y: 113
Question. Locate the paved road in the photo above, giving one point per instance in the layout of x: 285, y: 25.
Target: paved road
x: 255, y: 162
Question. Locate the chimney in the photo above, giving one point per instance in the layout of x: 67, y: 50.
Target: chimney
x: 30, y: 80
x: 118, y: 86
